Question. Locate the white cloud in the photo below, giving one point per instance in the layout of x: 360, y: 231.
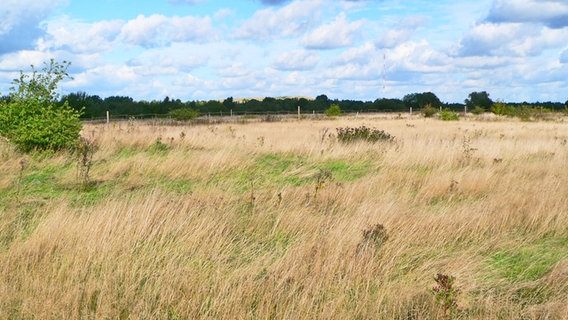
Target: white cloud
x: 296, y: 60
x: 339, y: 33
x: 159, y: 30
x: 510, y: 39
x: 77, y: 36
x: 289, y: 21
x: 223, y: 13
x: 400, y: 33
x: 19, y: 22
x: 179, y: 57
x: 549, y: 12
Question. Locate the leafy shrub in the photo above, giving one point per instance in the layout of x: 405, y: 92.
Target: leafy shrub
x: 184, y: 114
x: 363, y: 133
x: 31, y: 120
x: 478, y: 110
x: 333, y: 110
x: 502, y: 109
x: 446, y: 294
x: 449, y: 115
x: 428, y: 111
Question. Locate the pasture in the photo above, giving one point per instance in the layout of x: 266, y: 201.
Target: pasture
x: 280, y: 220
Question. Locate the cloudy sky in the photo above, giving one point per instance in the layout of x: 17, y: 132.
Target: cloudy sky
x: 517, y: 50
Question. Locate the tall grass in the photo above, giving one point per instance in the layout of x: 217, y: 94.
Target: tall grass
x: 231, y: 221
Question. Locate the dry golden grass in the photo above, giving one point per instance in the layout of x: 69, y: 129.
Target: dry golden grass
x: 224, y: 222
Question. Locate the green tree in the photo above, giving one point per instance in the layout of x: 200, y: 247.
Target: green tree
x: 420, y: 100
x: 32, y: 119
x: 479, y: 99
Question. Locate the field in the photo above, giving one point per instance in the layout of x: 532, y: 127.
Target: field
x: 280, y: 220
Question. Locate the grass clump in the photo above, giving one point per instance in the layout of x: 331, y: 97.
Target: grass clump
x: 363, y: 133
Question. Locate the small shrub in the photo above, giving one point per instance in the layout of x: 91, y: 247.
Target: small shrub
x: 502, y: 109
x: 158, y: 147
x: 322, y: 177
x: 449, y: 115
x: 84, y: 154
x: 363, y: 133
x: 375, y: 236
x: 478, y: 110
x: 184, y: 114
x: 333, y: 110
x: 445, y: 294
x: 428, y: 111
x: 32, y: 120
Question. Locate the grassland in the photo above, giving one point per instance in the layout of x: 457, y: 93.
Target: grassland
x: 276, y: 220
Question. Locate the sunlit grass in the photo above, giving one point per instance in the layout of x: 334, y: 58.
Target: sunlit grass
x: 272, y: 220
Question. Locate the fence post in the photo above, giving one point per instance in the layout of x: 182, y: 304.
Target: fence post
x: 108, y: 117
x: 299, y: 112
x: 411, y: 111
x: 231, y: 113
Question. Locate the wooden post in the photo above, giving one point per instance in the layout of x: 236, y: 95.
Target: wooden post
x: 411, y: 111
x: 108, y: 117
x: 464, y: 110
x: 299, y: 113
x: 231, y: 113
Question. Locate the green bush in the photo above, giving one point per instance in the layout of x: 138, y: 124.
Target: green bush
x: 184, y: 114
x: 362, y: 133
x: 31, y: 120
x: 478, y: 110
x: 449, y: 115
x: 333, y: 110
x: 502, y: 109
x: 428, y: 111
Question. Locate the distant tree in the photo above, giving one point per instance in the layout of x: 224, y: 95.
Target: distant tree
x: 229, y: 103
x: 479, y: 99
x: 420, y: 100
x: 321, y: 103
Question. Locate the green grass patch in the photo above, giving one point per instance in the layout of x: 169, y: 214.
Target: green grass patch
x: 344, y: 171
x: 531, y: 262
x: 177, y: 186
x: 278, y: 170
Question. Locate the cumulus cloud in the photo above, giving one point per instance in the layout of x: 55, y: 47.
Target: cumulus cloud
x: 359, y: 55
x: 552, y: 13
x: 296, y: 60
x: 337, y: 34
x: 159, y: 30
x: 20, y: 22
x: 76, y: 36
x: 179, y: 57
x: 291, y: 20
x: 510, y: 39
x: 400, y: 33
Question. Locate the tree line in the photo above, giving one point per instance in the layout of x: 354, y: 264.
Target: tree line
x: 93, y: 106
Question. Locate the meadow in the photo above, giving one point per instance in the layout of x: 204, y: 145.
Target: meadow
x: 280, y: 220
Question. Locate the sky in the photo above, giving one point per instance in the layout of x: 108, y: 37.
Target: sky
x: 516, y: 50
